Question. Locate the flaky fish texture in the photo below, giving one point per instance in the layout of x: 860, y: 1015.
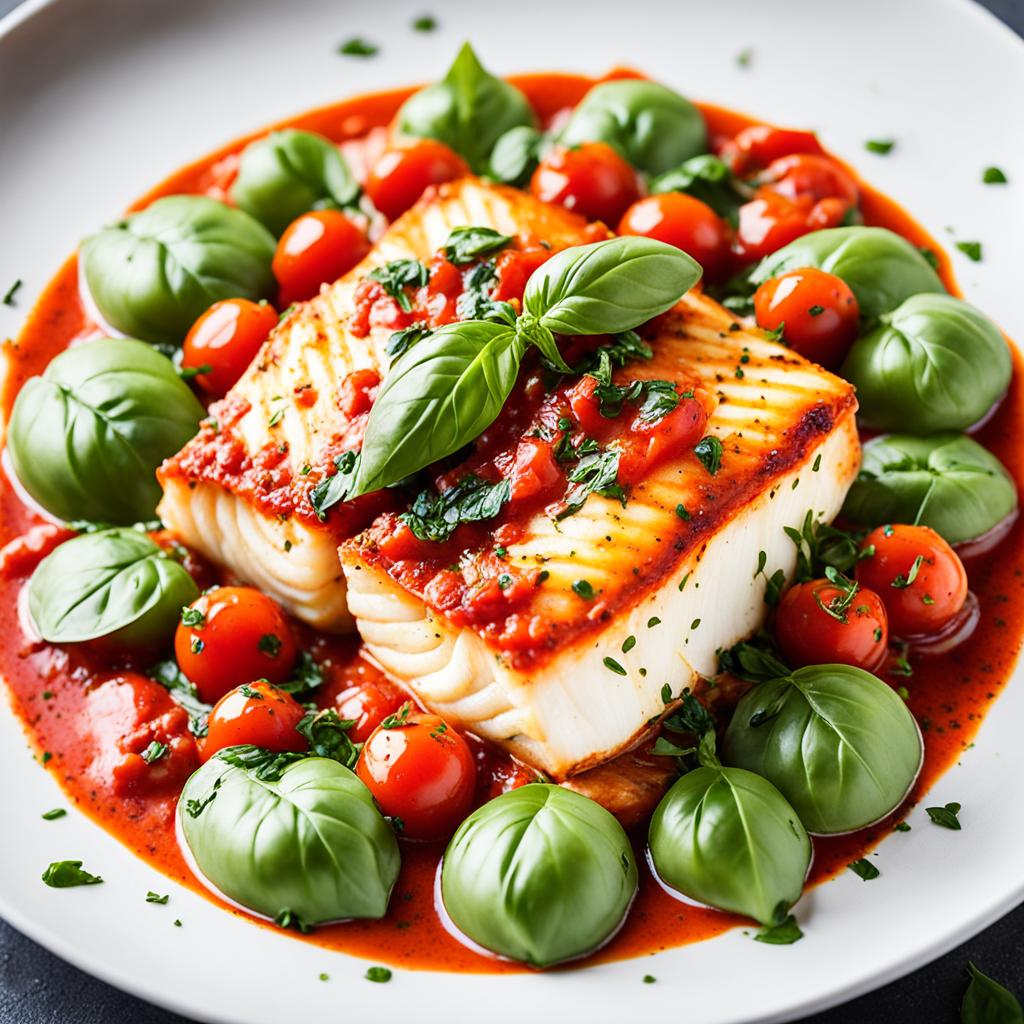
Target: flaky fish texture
x: 239, y: 491
x: 674, y: 571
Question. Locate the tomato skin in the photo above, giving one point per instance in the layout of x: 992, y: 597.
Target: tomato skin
x: 226, y: 338
x: 808, y: 174
x: 770, y: 221
x: 367, y: 705
x: 243, y: 637
x: 399, y: 176
x: 682, y: 221
x: 422, y: 772
x: 787, y: 301
x: 592, y: 180
x: 809, y: 635
x: 318, y: 247
x: 757, y: 145
x: 264, y: 716
x: 938, y: 590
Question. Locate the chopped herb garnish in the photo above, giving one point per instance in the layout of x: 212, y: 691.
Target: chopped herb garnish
x: 745, y: 58
x: 396, y: 276
x: 628, y: 644
x: 785, y: 933
x: 47, y: 757
x: 467, y: 244
x: 57, y: 812
x: 153, y: 897
x: 155, y: 751
x: 865, y: 869
x: 327, y: 735
x: 47, y: 694
x: 596, y: 473
x: 902, y: 581
x: 269, y: 644
x: 816, y: 310
x: 424, y: 23
x: 334, y: 489
x: 614, y: 666
x: 881, y: 146
x: 945, y: 816
x: 358, y: 47
x: 994, y: 176
x: 649, y: 979
x: 972, y: 250
x: 11, y: 292
x: 682, y: 513
x: 399, y: 718
x: 652, y: 622
x: 378, y: 974
x: 192, y: 617
x: 434, y: 517
x: 901, y: 826
x: 64, y: 874
x: 584, y: 589
x: 709, y: 451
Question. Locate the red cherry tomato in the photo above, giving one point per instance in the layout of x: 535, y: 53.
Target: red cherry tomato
x: 399, y: 176
x: 759, y: 144
x: 315, y: 248
x: 808, y: 174
x: 819, y: 623
x: 770, y: 221
x: 817, y: 311
x: 226, y: 339
x: 684, y: 222
x: 592, y: 180
x: 367, y: 705
x: 422, y: 772
x: 919, y: 576
x: 237, y: 635
x: 255, y: 713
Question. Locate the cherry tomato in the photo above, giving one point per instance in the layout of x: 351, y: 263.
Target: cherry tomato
x: 684, y: 222
x: 592, y: 180
x: 421, y: 771
x: 808, y: 174
x: 919, y: 576
x: 770, y: 221
x: 399, y: 176
x: 820, y: 623
x: 759, y: 144
x: 230, y: 636
x: 255, y: 713
x: 226, y: 339
x: 817, y: 311
x: 367, y: 705
x: 315, y: 248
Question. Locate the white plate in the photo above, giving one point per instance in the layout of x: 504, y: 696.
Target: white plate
x: 100, y: 100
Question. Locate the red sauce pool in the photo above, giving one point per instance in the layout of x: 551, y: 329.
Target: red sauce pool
x: 949, y: 694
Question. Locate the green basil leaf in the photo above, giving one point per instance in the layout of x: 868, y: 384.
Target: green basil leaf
x: 596, y: 472
x: 539, y: 874
x: 86, y: 437
x: 116, y: 583
x: 327, y: 735
x: 709, y: 451
x: 610, y: 286
x: 434, y: 517
x: 468, y: 110
x: 935, y: 363
x: 153, y: 274
x: 401, y: 341
x: 284, y: 174
x: 785, y: 933
x: 334, y: 489
x: 396, y: 276
x: 706, y: 178
x: 946, y: 481
x: 63, y: 874
x: 440, y: 396
x: 467, y: 244
x: 729, y: 838
x: 987, y: 1002
x: 304, y: 837
x: 838, y: 743
x: 515, y: 156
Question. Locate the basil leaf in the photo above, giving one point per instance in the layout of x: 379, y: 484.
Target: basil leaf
x: 398, y: 275
x: 439, y: 397
x: 987, y: 1002
x: 112, y: 583
x: 468, y: 110
x: 475, y: 302
x: 434, y: 517
x: 596, y: 473
x: 333, y: 490
x: 515, y: 156
x: 610, y: 286
x: 706, y: 178
x: 785, y: 933
x: 63, y: 874
x: 401, y: 341
x: 327, y: 735
x: 467, y: 244
x: 709, y: 451
x: 183, y: 692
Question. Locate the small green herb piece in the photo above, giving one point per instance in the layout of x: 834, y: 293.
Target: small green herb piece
x: 881, y: 146
x: 467, y: 244
x: 192, y: 617
x: 682, y: 513
x: 666, y: 748
x: 972, y: 250
x: 153, y: 897
x: 378, y: 974
x: 709, y: 451
x: 324, y: 977
x: 396, y: 276
x: 946, y: 816
x: 399, y: 718
x: 358, y: 47
x: 652, y: 622
x: 177, y: 923
x: 336, y: 488
x: 901, y: 826
x: 745, y: 58
x: 269, y: 644
x: 614, y: 666
x: 63, y: 874
x: 57, y: 812
x: 584, y: 589
x: 816, y: 310
x: 901, y: 582
x: 424, y: 23
x: 628, y: 644
x: 994, y: 176
x: 154, y: 751
x: 987, y: 1002
x: 785, y: 933
x: 649, y: 979
x: 596, y: 473
x: 434, y: 517
x: 401, y: 341
x: 865, y: 869
x: 47, y: 757
x: 327, y: 735
x: 11, y: 292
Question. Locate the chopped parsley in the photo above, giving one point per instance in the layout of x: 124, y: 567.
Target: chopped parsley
x: 946, y: 816
x: 994, y: 176
x: 435, y: 517
x: 11, y: 292
x: 153, y: 897
x: 709, y: 451
x: 192, y: 617
x: 334, y: 489
x: 614, y: 666
x: 378, y: 974
x: 424, y: 23
x: 467, y: 244
x: 902, y: 581
x: 596, y: 473
x: 396, y: 276
x: 57, y: 812
x: 155, y: 751
x: 628, y: 644
x: 327, y: 735
x: 64, y: 874
x: 652, y: 622
x: 358, y: 47
x: 864, y: 869
x: 745, y: 58
x: 649, y: 979
x: 901, y: 826
x: 584, y: 589
x: 682, y: 513
x: 269, y: 644
x: 972, y: 250
x: 785, y: 933
x: 399, y: 718
x: 816, y: 310
x: 881, y: 146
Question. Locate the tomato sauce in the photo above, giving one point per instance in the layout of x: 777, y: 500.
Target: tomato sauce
x: 54, y: 690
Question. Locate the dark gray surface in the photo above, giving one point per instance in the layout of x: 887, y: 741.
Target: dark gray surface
x: 38, y: 988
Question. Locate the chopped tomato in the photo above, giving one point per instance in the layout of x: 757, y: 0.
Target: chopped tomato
x: 586, y: 408
x: 367, y: 705
x: 225, y: 340
x: 919, y: 576
x: 807, y: 174
x: 646, y: 443
x: 399, y: 176
x: 770, y: 221
x: 255, y: 713
x: 824, y: 622
x: 759, y: 144
x: 535, y: 470
x: 818, y: 313
x: 592, y: 180
x: 316, y: 248
x: 421, y: 771
x: 230, y: 636
x: 358, y: 390
x: 685, y: 222
x: 514, y: 267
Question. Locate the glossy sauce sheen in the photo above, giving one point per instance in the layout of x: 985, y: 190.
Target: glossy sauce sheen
x: 949, y: 694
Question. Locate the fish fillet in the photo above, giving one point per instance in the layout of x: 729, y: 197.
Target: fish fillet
x: 239, y: 491
x: 669, y: 591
